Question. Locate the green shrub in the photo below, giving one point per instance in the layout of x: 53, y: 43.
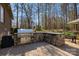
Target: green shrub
x: 69, y: 33
x: 13, y: 30
x: 38, y: 28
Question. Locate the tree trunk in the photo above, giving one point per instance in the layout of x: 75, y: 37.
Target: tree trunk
x: 17, y: 15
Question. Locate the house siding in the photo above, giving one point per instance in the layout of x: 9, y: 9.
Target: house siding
x: 6, y: 25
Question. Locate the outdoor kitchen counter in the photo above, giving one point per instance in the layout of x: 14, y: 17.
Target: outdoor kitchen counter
x: 49, y: 37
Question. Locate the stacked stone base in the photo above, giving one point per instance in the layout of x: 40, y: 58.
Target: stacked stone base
x: 54, y: 39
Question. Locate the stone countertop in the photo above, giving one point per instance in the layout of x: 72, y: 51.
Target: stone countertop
x: 42, y: 33
x: 50, y: 33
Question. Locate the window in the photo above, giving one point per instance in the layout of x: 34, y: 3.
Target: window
x: 1, y: 14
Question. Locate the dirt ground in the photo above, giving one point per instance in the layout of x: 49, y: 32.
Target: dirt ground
x: 34, y: 49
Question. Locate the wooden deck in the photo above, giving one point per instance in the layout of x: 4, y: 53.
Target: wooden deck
x: 34, y: 49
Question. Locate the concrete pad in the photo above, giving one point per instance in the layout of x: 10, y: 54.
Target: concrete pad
x: 34, y: 49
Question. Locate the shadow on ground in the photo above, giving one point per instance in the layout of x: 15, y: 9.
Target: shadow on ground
x: 20, y: 50
x: 35, y: 49
x: 71, y: 48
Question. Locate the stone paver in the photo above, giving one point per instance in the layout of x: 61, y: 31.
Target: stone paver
x: 34, y: 49
x: 70, y: 47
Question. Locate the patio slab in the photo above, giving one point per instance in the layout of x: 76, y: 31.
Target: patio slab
x: 34, y: 49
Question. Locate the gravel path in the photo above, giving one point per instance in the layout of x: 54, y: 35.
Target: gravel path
x: 34, y: 49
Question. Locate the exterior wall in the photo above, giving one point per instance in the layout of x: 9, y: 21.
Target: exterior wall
x: 6, y: 25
